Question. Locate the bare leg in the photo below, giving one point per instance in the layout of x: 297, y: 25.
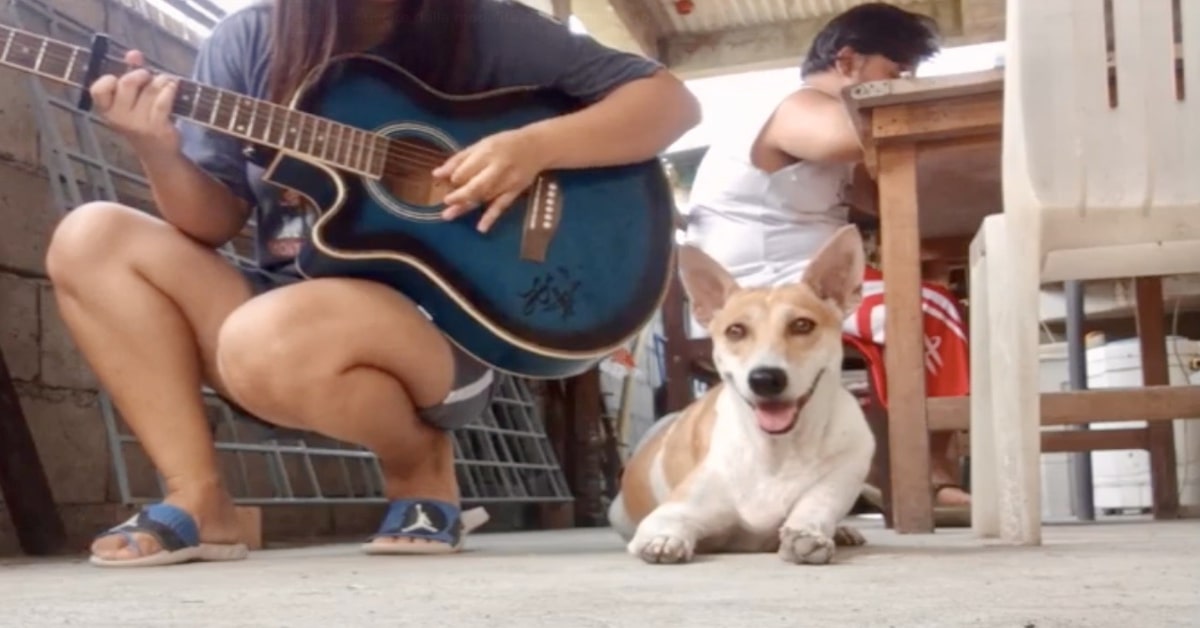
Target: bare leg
x: 352, y: 360
x: 946, y: 470
x: 144, y: 303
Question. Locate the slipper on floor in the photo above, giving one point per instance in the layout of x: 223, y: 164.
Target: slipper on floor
x: 177, y: 535
x: 442, y: 525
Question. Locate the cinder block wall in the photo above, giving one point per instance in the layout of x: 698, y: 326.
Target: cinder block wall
x: 57, y: 390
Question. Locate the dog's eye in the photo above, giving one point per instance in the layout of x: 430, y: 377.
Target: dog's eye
x: 801, y: 326
x: 736, y: 331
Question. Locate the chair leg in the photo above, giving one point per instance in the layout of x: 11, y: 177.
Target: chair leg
x: 1164, y: 480
x: 1013, y: 274
x: 985, y: 520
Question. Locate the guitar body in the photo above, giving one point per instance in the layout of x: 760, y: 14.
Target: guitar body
x: 525, y: 301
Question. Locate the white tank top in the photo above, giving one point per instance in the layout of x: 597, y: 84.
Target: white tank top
x: 763, y: 227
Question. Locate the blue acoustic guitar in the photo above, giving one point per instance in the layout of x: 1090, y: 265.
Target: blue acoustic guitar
x: 571, y: 272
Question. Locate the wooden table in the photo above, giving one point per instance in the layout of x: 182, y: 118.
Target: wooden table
x: 932, y: 143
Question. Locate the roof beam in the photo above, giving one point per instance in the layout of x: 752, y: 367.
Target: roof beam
x: 777, y: 45
x: 622, y: 24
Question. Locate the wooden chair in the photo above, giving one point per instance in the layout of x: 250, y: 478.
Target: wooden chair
x: 1099, y: 176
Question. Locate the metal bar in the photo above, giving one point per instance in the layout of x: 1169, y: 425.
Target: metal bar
x: 1081, y: 463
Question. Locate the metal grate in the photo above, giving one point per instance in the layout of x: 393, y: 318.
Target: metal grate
x: 505, y: 457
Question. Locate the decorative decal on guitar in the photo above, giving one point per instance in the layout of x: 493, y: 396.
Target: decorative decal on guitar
x: 550, y: 292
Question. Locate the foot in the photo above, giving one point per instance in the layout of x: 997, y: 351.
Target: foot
x: 662, y: 549
x: 950, y: 495
x: 662, y: 540
x: 213, y: 513
x: 806, y: 545
x: 424, y: 526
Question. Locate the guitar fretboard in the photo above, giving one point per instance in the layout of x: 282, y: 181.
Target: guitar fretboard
x: 258, y: 121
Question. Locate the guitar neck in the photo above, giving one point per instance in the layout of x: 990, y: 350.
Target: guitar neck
x: 257, y: 121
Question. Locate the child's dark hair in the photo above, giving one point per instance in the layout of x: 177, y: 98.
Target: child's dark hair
x: 902, y: 36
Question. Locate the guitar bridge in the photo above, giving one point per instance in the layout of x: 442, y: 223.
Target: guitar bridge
x: 541, y: 218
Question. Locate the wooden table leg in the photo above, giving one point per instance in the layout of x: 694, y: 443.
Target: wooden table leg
x: 1161, y: 434
x: 23, y: 482
x: 904, y: 354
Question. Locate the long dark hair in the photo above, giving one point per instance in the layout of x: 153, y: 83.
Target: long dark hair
x: 306, y: 33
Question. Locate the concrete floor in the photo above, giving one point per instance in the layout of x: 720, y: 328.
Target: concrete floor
x: 1115, y: 574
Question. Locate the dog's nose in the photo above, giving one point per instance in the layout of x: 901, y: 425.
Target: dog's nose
x: 768, y: 382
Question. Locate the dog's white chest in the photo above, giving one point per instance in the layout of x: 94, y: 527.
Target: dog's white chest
x: 763, y: 501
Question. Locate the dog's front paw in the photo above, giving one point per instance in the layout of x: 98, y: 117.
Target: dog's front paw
x: 805, y: 546
x: 661, y: 548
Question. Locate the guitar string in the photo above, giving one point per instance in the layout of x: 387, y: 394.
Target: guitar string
x: 405, y: 153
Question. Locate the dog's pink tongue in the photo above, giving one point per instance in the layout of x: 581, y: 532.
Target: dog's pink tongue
x: 775, y: 417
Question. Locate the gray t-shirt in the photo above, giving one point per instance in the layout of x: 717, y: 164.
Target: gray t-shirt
x: 513, y: 46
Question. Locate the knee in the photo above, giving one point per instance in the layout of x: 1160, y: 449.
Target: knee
x: 267, y: 362
x: 86, y: 237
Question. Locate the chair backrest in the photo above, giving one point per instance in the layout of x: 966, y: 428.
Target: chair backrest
x: 1078, y: 141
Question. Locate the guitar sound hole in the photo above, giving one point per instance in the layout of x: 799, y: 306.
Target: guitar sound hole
x: 407, y: 174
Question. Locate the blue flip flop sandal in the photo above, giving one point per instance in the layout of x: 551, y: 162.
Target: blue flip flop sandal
x: 441, y: 524
x: 177, y: 534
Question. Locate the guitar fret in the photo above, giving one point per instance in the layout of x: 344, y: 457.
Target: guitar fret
x: 41, y: 55
x: 373, y: 162
x: 347, y: 145
x: 250, y: 129
x: 231, y: 124
x: 193, y: 94
x: 324, y: 137
x: 292, y: 135
x: 71, y: 63
x: 339, y: 143
x: 297, y: 129
x: 312, y: 134
x: 8, y: 46
x: 271, y: 126
x: 360, y: 162
x: 216, y: 103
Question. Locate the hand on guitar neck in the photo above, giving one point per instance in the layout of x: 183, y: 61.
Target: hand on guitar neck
x: 138, y: 106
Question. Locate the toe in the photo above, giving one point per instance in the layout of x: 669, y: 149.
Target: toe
x: 118, y: 546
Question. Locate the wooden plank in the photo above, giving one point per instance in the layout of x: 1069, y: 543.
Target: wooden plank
x: 1095, y: 440
x: 27, y: 495
x: 560, y: 432
x: 908, y: 435
x: 907, y: 90
x: 938, y: 120
x: 1152, y: 403
x: 581, y: 459
x: 1091, y: 440
x: 1151, y: 340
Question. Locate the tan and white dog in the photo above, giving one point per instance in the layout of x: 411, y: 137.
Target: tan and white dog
x: 774, y: 457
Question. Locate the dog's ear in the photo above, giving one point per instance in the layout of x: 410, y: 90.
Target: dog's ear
x: 706, y: 282
x: 836, y: 271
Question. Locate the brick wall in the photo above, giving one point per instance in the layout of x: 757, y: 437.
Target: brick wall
x: 57, y: 391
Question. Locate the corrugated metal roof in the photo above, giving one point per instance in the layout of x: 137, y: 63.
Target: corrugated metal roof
x: 708, y: 16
